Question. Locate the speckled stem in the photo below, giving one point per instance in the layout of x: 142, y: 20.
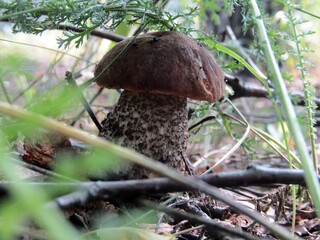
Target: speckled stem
x: 152, y: 124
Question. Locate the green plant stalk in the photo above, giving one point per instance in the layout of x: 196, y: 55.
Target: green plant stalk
x: 306, y: 96
x: 267, y: 136
x: 306, y: 12
x: 301, y: 10
x: 294, y: 206
x: 308, y: 104
x: 214, y: 45
x: 5, y: 17
x: 292, y: 187
x: 4, y: 90
x: 295, y: 130
x: 287, y: 148
x: 268, y: 139
x: 239, y: 142
x: 262, y: 79
x: 129, y: 155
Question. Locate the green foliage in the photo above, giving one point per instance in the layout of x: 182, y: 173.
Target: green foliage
x: 26, y: 204
x: 13, y: 71
x: 282, y: 94
x: 309, y: 90
x: 214, y: 8
x: 35, y: 17
x: 95, y: 163
x: 38, y: 16
x: 201, y: 110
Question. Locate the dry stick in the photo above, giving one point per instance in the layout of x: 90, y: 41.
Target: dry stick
x: 210, y: 224
x: 83, y: 111
x: 188, y: 230
x: 206, y: 119
x: 43, y: 171
x: 124, y: 189
x: 103, y: 34
x: 134, y: 157
x: 253, y: 90
x: 69, y: 78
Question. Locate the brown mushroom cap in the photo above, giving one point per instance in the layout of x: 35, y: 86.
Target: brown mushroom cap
x: 163, y: 63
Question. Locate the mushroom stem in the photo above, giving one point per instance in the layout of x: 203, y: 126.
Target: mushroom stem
x: 152, y: 124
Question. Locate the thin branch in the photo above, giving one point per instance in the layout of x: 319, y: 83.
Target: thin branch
x: 42, y: 171
x: 83, y: 111
x: 102, y: 34
x: 70, y: 79
x: 252, y: 90
x: 123, y: 189
x: 98, y: 33
x: 251, y: 176
x: 213, y: 227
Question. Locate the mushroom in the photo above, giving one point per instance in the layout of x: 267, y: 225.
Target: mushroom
x: 158, y: 72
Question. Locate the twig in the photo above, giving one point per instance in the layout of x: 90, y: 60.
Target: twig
x: 252, y: 90
x: 188, y: 230
x: 43, y: 171
x: 83, y: 111
x: 103, y: 34
x: 206, y: 119
x: 69, y: 78
x: 123, y: 189
x: 212, y: 226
